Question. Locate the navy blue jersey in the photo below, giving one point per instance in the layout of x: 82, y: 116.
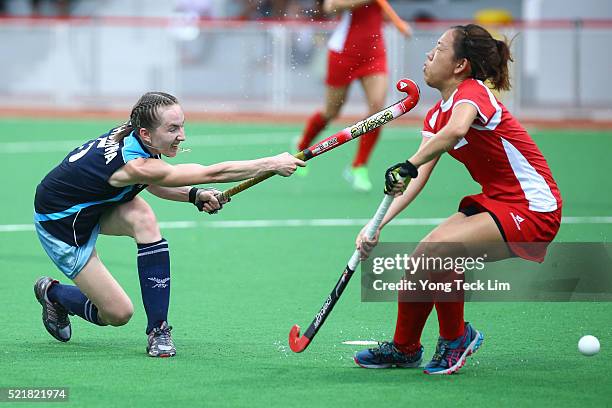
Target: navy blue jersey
x: 72, y: 197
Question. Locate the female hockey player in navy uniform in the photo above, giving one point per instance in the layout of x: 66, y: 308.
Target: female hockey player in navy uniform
x: 94, y: 190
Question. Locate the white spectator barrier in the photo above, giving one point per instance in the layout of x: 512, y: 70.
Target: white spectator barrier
x: 561, y: 68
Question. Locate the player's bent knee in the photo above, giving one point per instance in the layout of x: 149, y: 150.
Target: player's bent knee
x: 433, y: 238
x: 435, y: 246
x: 143, y: 217
x: 145, y: 225
x: 118, y: 318
x: 119, y: 315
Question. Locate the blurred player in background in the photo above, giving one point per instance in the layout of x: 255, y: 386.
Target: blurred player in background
x: 94, y: 191
x: 356, y: 51
x: 519, y: 204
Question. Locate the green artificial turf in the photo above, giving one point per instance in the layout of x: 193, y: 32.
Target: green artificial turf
x: 236, y: 292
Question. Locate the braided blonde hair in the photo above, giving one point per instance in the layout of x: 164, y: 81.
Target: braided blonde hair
x: 145, y: 113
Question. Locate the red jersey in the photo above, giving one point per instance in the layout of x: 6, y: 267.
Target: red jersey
x: 497, y: 151
x: 359, y: 33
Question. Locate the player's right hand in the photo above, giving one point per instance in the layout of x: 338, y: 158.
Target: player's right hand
x: 285, y: 164
x: 365, y: 245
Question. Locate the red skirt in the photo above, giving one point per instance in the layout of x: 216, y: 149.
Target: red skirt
x: 526, y: 232
x: 342, y: 69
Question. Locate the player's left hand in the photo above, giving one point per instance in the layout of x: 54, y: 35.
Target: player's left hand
x: 394, y: 185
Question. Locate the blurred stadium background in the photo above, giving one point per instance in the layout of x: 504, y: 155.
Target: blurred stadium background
x: 268, y: 57
x: 248, y: 73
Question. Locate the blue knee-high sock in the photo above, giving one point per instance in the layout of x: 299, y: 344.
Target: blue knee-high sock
x: 73, y: 300
x: 154, y: 273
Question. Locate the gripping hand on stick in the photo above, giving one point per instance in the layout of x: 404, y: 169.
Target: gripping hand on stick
x: 209, y: 200
x: 286, y: 164
x: 394, y: 185
x: 397, y: 178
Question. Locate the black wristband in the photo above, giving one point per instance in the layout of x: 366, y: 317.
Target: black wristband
x: 193, y: 195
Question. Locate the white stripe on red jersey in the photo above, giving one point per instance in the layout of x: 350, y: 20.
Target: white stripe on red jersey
x: 497, y: 151
x: 338, y: 38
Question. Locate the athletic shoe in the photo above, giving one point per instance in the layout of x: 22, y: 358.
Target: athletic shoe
x: 160, y: 342
x: 450, y: 355
x: 386, y: 355
x: 54, y: 316
x: 358, y: 178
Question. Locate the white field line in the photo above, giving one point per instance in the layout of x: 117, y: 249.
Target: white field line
x: 216, y: 140
x: 293, y: 223
x: 360, y: 343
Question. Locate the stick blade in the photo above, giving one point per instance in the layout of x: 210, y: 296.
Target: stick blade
x: 408, y: 86
x: 413, y: 91
x: 297, y: 343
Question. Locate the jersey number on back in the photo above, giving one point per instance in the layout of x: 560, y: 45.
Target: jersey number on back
x: 82, y: 153
x: 110, y: 149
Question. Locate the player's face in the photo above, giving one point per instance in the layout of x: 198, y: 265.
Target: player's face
x: 167, y: 137
x: 440, y: 64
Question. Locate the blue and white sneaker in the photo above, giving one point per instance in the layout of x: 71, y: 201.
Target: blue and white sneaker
x: 450, y: 355
x: 386, y: 355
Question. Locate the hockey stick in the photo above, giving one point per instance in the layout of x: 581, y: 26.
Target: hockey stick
x: 352, y: 132
x: 397, y: 21
x: 299, y: 344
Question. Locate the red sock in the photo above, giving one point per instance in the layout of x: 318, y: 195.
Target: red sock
x: 315, y: 124
x: 366, y: 145
x: 411, y: 318
x: 450, y: 319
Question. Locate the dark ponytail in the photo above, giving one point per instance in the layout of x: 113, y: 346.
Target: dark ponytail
x: 145, y: 113
x: 502, y: 80
x: 488, y: 57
